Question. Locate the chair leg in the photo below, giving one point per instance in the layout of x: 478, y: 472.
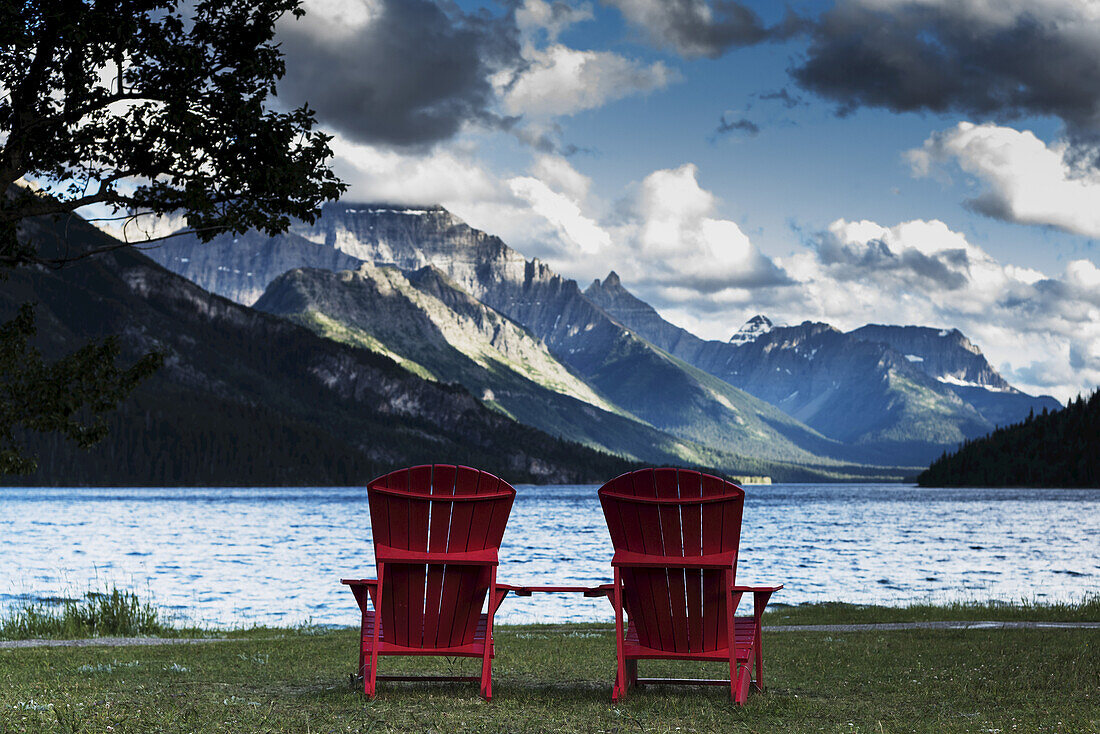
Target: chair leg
x: 487, y: 654
x: 619, y: 691
x: 759, y: 601
x: 739, y: 677
x: 759, y: 662
x: 632, y: 673
x: 370, y: 675
x: 486, y: 678
x: 361, y: 670
x: 740, y: 682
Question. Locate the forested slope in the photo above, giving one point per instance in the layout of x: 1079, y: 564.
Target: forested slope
x: 1058, y: 449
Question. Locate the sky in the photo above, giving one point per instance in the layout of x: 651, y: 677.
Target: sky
x: 929, y: 162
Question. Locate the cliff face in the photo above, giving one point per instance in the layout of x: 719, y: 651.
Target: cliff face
x: 945, y: 355
x: 638, y: 316
x: 239, y: 267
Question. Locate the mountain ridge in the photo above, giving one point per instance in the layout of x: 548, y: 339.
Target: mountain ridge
x: 770, y: 395
x: 854, y: 387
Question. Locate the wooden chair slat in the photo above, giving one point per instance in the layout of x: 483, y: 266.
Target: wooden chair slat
x: 666, y: 485
x: 692, y: 527
x: 466, y: 481
x: 439, y: 523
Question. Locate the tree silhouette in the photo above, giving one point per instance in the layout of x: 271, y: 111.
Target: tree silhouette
x: 1053, y: 449
x: 140, y: 110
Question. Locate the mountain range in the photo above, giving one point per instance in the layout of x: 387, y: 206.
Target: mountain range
x: 452, y: 304
x: 247, y: 398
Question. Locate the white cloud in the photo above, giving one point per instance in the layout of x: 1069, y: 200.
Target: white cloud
x: 1042, y: 333
x: 664, y: 237
x: 552, y: 17
x: 1023, y: 179
x: 563, y: 81
x: 340, y: 18
x: 672, y: 247
x: 447, y: 173
x: 559, y: 174
x: 563, y: 213
x: 679, y: 241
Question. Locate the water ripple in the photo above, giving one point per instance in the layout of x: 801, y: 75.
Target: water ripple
x: 276, y: 555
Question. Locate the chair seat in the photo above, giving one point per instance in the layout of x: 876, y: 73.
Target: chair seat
x: 474, y: 649
x: 744, y: 642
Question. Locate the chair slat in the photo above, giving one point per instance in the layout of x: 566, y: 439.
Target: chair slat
x: 419, y: 512
x: 712, y: 519
x: 395, y: 599
x: 497, y: 522
x: 714, y: 602
x: 692, y: 522
x: 666, y: 485
x: 472, y: 583
x: 439, y: 523
x: 466, y: 481
x: 458, y: 535
x: 645, y: 485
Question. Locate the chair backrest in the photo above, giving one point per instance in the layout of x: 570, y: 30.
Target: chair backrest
x: 438, y: 509
x: 667, y: 514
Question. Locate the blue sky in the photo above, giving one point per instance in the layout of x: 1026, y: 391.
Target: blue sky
x: 889, y: 161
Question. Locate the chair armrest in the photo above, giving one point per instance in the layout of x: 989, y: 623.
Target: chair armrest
x: 363, y: 589
x: 359, y: 582
x: 760, y: 597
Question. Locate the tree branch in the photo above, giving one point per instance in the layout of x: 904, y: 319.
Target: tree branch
x: 58, y: 262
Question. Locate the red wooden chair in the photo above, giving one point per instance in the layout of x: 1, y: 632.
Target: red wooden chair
x: 675, y: 534
x: 436, y: 534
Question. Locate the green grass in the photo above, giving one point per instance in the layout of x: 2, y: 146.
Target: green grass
x: 556, y: 677
x: 1087, y: 610
x: 559, y: 678
x: 107, y: 613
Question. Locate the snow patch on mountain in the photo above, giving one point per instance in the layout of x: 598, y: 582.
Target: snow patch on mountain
x: 753, y: 329
x: 952, y: 380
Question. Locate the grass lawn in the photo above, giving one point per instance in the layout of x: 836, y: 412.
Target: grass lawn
x: 549, y: 678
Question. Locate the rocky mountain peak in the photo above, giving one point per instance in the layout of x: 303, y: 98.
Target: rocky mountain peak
x: 944, y: 354
x: 757, y: 326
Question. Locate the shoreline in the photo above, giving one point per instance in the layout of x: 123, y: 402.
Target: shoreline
x: 566, y: 627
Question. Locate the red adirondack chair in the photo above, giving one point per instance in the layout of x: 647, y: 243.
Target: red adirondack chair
x: 675, y: 534
x: 437, y: 530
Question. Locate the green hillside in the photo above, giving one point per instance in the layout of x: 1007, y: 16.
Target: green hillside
x: 462, y: 341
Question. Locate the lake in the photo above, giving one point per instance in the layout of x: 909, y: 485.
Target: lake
x: 276, y: 555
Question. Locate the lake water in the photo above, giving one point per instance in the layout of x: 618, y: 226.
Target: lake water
x: 276, y: 555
